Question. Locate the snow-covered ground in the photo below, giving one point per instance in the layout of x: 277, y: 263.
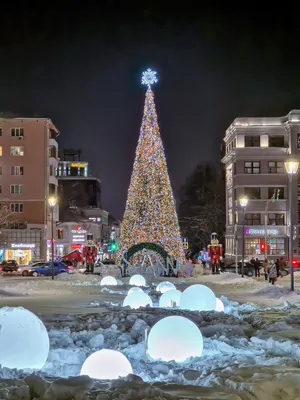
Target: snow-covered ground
x: 251, y: 351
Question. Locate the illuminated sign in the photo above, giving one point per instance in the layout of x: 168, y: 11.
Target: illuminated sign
x: 78, y: 165
x: 22, y: 246
x: 75, y: 231
x: 252, y: 231
x: 76, y: 246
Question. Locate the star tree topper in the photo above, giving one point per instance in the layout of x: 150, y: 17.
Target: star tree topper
x: 149, y: 77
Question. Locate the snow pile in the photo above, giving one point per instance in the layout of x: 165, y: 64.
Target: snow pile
x: 277, y: 292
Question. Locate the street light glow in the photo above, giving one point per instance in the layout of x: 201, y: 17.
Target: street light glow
x: 291, y: 167
x: 243, y: 201
x: 52, y: 201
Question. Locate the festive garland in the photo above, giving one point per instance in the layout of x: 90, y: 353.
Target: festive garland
x: 149, y: 246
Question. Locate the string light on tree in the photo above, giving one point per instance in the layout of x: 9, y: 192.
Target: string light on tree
x: 150, y: 214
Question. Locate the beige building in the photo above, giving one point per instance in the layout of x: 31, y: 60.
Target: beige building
x: 28, y: 162
x: 256, y: 149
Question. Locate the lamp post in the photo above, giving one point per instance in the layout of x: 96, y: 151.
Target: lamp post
x: 52, y: 203
x: 243, y: 203
x: 291, y: 169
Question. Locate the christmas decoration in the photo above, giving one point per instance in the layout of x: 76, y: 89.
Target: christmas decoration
x: 150, y: 215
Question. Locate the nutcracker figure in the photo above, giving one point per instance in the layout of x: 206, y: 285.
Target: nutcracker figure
x: 89, y: 253
x: 215, y: 253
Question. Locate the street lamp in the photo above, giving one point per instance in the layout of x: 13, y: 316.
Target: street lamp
x: 291, y: 169
x: 52, y: 203
x: 243, y: 203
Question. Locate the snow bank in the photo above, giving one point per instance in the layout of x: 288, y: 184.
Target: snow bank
x: 277, y: 292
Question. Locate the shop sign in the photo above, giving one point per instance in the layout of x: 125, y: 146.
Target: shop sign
x: 78, y: 231
x: 261, y: 232
x: 22, y: 246
x: 76, y: 246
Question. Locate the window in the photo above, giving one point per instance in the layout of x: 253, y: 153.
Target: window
x: 276, y: 141
x: 252, y: 141
x: 253, y: 193
x: 17, y: 150
x: 16, y: 207
x: 276, y: 167
x: 252, y: 247
x: 0, y: 188
x: 17, y: 132
x: 60, y: 234
x: 276, y: 246
x: 17, y: 225
x: 276, y: 219
x: 0, y: 169
x: 0, y: 151
x: 279, y: 193
x: 16, y: 189
x: 52, y: 152
x: 252, y: 219
x: 0, y: 131
x: 252, y: 167
x: 16, y: 170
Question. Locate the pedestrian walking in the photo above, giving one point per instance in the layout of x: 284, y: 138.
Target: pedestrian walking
x: 265, y: 265
x: 272, y: 272
x: 277, y: 263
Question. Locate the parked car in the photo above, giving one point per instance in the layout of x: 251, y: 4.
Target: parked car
x: 9, y: 266
x: 249, y: 269
x: 46, y: 269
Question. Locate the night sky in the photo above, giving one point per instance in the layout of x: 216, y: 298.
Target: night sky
x: 82, y: 69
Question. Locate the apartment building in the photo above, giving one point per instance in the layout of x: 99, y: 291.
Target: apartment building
x: 256, y: 149
x: 28, y: 163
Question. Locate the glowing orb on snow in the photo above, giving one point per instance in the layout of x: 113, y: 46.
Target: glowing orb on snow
x: 171, y: 298
x: 109, y: 281
x: 137, y: 300
x: 198, y: 298
x: 106, y: 364
x: 134, y: 289
x: 24, y: 341
x: 219, y: 305
x: 163, y: 287
x: 137, y: 280
x: 175, y: 338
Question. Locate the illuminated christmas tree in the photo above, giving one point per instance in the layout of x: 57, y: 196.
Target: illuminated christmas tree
x: 150, y: 214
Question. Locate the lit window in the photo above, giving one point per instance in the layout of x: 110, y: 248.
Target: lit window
x: 0, y: 151
x: 252, y: 247
x: 252, y: 167
x: 276, y: 167
x: 17, y: 150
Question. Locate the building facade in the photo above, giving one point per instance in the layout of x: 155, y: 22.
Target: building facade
x: 256, y: 149
x: 28, y: 162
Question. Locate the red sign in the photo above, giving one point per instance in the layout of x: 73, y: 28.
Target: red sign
x: 76, y: 246
x: 78, y: 227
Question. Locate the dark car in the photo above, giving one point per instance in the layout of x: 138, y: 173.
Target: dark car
x: 46, y: 269
x: 249, y: 269
x: 9, y: 266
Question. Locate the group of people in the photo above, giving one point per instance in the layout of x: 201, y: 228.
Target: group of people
x: 271, y: 268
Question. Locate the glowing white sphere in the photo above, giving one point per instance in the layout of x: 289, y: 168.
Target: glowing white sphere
x: 137, y: 300
x: 137, y: 280
x: 175, y: 338
x: 219, y: 305
x: 198, y: 298
x: 109, y: 281
x: 171, y: 298
x: 106, y: 364
x: 163, y: 287
x: 134, y: 289
x: 24, y: 341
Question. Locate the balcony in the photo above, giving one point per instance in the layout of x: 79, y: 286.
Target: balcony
x: 53, y: 180
x: 272, y: 180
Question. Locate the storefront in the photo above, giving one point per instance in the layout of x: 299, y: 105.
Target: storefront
x: 21, y: 252
x: 274, y: 243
